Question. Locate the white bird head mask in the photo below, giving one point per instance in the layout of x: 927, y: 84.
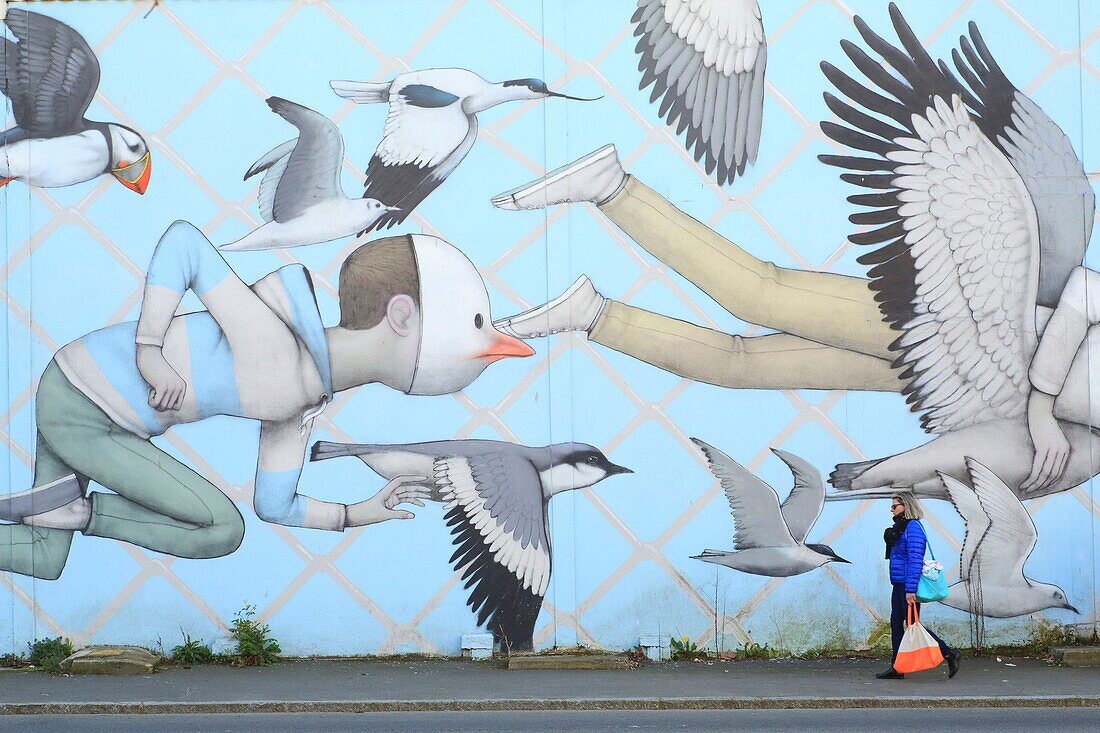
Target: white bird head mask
x: 457, y: 338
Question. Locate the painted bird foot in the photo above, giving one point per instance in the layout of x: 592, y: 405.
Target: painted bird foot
x: 595, y: 178
x: 577, y: 309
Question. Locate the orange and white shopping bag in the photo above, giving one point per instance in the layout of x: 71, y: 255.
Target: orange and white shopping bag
x: 918, y: 650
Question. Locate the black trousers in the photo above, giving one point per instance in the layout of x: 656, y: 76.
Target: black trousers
x: 898, y: 610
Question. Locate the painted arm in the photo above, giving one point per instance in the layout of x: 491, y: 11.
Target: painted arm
x: 1078, y: 309
x: 915, y: 541
x: 184, y: 259
x: 276, y: 498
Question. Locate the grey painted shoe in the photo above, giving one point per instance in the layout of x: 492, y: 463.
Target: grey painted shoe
x: 14, y: 507
x: 574, y: 310
x: 595, y: 178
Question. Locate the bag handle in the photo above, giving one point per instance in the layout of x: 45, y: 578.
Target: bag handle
x: 912, y: 615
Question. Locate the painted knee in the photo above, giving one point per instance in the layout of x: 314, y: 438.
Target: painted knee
x: 220, y: 538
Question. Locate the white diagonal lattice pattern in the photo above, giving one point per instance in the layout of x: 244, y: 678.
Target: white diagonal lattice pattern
x: 193, y: 75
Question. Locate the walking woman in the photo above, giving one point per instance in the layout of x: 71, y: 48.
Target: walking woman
x: 905, y: 544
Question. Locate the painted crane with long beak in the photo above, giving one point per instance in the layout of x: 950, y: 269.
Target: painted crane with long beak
x: 50, y: 76
x: 431, y: 126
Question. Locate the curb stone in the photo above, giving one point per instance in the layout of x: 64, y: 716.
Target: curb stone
x: 400, y: 706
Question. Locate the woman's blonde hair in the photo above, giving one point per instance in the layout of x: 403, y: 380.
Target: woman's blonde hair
x: 913, y: 509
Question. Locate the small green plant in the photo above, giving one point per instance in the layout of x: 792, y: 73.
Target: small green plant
x: 191, y: 651
x: 751, y: 650
x: 255, y: 645
x: 684, y: 649
x: 49, y: 653
x: 12, y: 660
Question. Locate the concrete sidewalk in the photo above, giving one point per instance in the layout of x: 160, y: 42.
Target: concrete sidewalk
x: 366, y: 686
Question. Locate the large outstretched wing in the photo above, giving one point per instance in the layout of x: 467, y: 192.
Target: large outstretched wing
x: 705, y: 60
x: 424, y: 140
x: 312, y: 171
x: 976, y: 522
x: 497, y: 517
x: 50, y: 76
x: 957, y: 258
x: 757, y: 520
x: 1040, y: 152
x: 803, y: 505
x: 1011, y: 535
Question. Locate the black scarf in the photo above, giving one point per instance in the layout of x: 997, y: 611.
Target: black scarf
x: 893, y: 533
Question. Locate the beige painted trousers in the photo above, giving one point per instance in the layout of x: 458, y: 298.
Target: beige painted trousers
x: 832, y: 333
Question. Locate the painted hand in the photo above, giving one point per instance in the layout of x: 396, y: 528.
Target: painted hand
x: 167, y: 387
x: 380, y: 507
x: 1051, y: 447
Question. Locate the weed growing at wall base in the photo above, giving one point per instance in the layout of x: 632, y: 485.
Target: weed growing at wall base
x: 255, y: 645
x: 191, y: 651
x: 49, y: 653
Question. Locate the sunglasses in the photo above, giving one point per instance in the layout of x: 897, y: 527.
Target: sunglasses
x: 895, y: 506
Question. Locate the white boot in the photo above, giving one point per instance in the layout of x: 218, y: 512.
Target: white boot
x: 574, y: 310
x: 75, y: 516
x: 595, y: 178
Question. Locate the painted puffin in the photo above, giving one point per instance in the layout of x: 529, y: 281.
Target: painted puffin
x: 50, y: 77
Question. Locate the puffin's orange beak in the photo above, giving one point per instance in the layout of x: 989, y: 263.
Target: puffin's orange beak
x: 135, y: 176
x: 505, y: 346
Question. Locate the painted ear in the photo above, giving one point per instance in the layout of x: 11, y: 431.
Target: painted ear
x: 402, y: 314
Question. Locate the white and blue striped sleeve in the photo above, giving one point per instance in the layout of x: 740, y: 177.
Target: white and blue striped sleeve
x: 276, y: 498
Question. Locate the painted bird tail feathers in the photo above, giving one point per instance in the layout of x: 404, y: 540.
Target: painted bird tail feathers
x: 846, y: 473
x: 323, y: 449
x: 362, y: 92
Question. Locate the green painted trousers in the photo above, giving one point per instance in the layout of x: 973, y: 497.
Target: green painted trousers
x: 159, y: 503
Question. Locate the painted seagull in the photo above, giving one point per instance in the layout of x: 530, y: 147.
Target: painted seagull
x: 50, y: 77
x: 497, y: 495
x: 431, y: 126
x: 978, y: 210
x: 705, y: 60
x: 300, y: 198
x: 1000, y: 536
x: 769, y: 538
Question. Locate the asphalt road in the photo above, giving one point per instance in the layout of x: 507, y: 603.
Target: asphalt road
x: 1006, y: 720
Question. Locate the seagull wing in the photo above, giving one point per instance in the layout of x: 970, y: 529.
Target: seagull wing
x: 425, y: 138
x: 705, y: 60
x: 1011, y: 536
x: 1042, y: 154
x: 50, y: 76
x: 312, y: 171
x: 757, y: 519
x: 803, y: 505
x: 498, y: 520
x: 958, y: 266
x: 272, y: 164
x: 970, y: 509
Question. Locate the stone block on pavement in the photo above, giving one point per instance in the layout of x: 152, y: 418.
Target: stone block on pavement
x: 111, y: 660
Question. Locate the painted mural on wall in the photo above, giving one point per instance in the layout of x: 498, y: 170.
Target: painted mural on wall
x: 971, y: 300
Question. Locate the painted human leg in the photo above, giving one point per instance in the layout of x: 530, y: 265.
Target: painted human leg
x: 158, y: 503
x: 836, y: 310
x: 37, y: 551
x: 775, y: 361
x: 831, y: 309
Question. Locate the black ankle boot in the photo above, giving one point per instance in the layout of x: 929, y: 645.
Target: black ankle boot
x: 953, y: 660
x: 890, y: 674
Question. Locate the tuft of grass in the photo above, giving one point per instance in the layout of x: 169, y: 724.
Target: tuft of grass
x: 191, y: 652
x: 684, y: 649
x: 751, y: 650
x: 254, y: 644
x: 12, y: 660
x: 49, y: 653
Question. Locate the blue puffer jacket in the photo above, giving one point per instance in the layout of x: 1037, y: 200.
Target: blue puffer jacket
x: 907, y: 556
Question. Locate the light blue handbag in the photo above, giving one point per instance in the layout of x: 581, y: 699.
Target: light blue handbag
x: 931, y: 587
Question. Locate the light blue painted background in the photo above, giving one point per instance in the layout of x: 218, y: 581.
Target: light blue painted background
x: 192, y: 77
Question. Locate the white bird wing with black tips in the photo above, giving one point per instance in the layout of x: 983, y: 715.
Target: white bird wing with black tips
x: 757, y: 518
x: 803, y: 505
x: 975, y: 520
x: 272, y: 164
x: 497, y: 516
x: 1011, y: 535
x: 425, y: 137
x: 311, y: 173
x: 1039, y: 150
x: 50, y: 75
x: 706, y: 58
x: 958, y: 268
